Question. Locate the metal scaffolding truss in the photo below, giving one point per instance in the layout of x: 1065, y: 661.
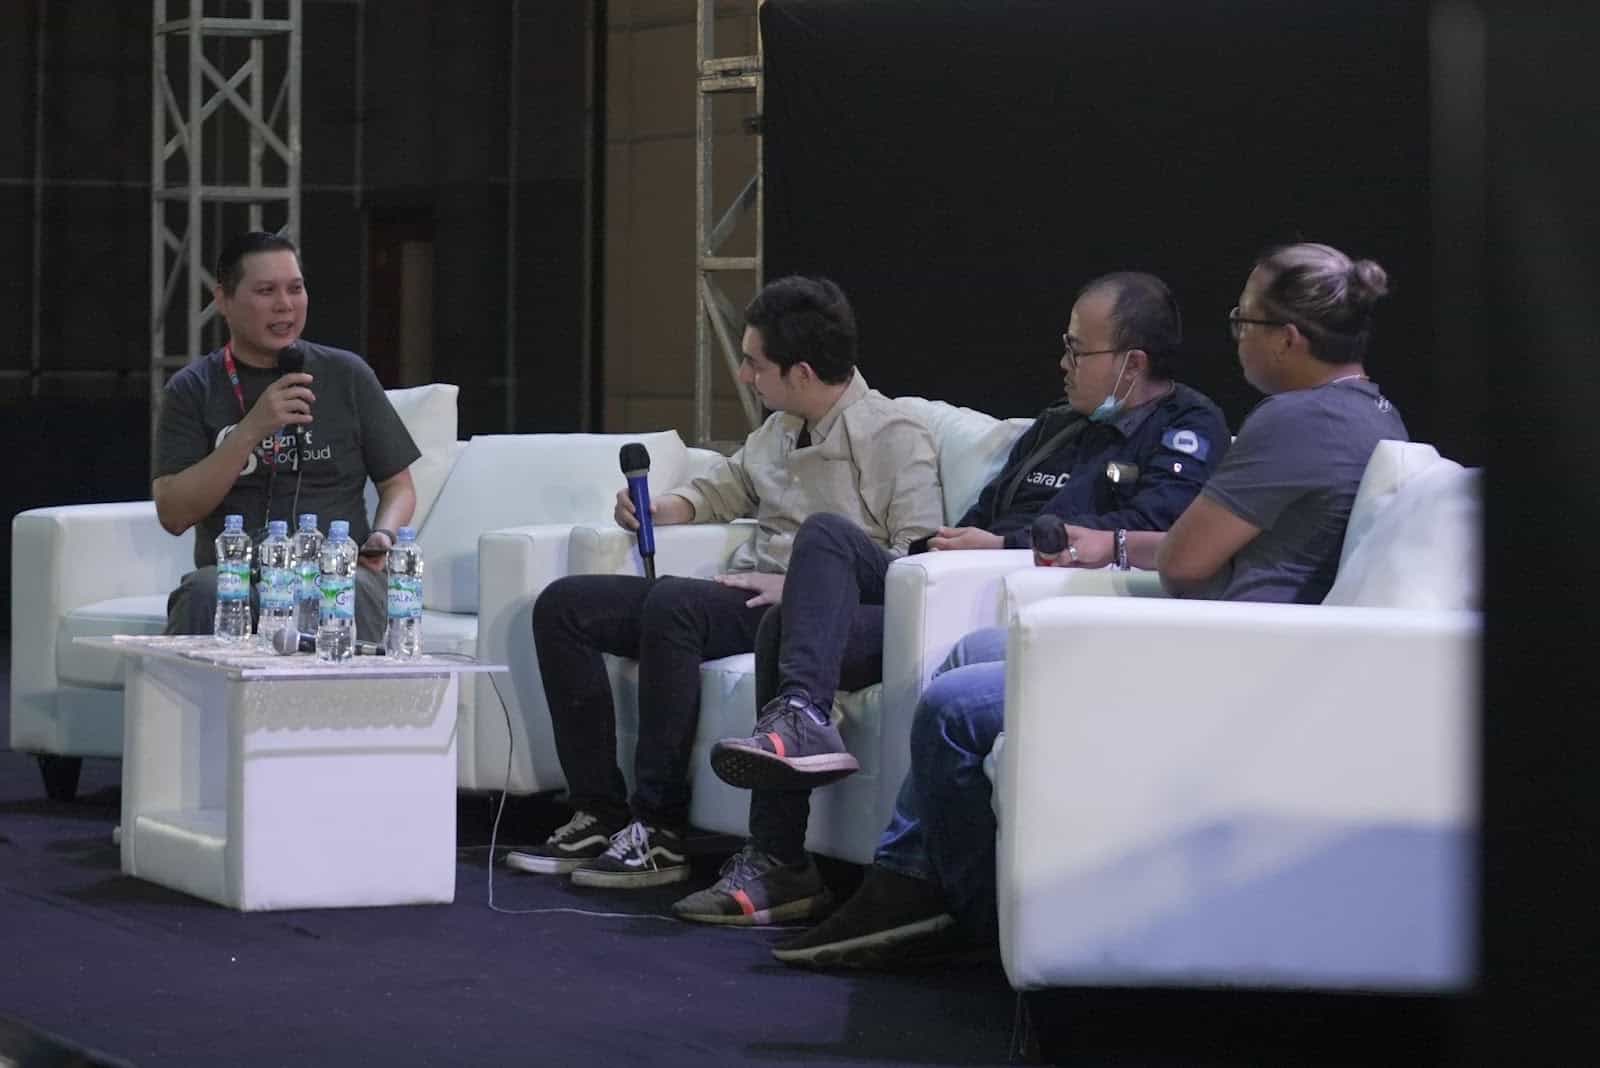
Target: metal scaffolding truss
x: 716, y: 318
x: 238, y: 102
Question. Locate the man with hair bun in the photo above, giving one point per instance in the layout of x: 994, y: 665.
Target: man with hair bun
x: 1267, y: 526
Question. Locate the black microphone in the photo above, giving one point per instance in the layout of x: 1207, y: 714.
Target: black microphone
x: 1049, y: 534
x: 292, y: 360
x: 635, y: 460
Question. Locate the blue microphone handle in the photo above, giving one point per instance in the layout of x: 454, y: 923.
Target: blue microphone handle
x: 639, y: 493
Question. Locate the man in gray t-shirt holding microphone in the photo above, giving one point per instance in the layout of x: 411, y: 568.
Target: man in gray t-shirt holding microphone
x: 237, y: 436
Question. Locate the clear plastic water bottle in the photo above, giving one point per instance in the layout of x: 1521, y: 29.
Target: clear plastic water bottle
x: 278, y: 585
x: 403, y: 638
x: 232, y: 620
x: 308, y: 570
x: 336, y: 630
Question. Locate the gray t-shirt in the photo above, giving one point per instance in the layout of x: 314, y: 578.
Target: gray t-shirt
x: 1294, y: 472
x: 354, y: 434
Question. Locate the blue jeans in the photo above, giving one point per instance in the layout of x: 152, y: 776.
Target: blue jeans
x: 943, y: 826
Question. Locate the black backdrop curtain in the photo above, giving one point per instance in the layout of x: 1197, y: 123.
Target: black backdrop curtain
x: 961, y: 167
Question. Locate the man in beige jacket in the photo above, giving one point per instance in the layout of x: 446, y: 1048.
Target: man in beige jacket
x: 832, y: 446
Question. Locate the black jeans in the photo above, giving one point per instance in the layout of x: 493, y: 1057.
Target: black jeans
x: 825, y: 636
x: 669, y: 626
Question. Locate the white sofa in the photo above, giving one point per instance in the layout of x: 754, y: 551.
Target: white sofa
x: 1199, y: 793
x: 107, y: 568
x: 923, y: 619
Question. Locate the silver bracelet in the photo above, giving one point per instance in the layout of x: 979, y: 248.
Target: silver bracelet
x: 1120, y: 541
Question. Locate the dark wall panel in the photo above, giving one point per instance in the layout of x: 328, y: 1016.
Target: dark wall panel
x: 328, y: 114
x: 331, y: 247
x: 18, y: 46
x: 962, y: 168
x: 432, y: 118
x: 1536, y: 327
x: 94, y: 284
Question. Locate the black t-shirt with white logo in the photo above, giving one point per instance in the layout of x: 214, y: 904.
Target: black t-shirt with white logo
x: 354, y: 434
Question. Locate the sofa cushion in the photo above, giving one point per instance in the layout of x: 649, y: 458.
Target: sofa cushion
x: 1421, y: 549
x: 513, y: 480
x: 972, y: 448
x: 429, y: 414
x: 79, y: 665
x: 1393, y: 463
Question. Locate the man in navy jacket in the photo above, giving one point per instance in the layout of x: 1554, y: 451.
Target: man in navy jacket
x: 1123, y: 407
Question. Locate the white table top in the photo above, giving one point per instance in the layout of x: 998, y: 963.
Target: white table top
x: 246, y: 661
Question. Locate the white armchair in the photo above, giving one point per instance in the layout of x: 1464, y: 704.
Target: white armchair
x: 1198, y: 793
x: 99, y: 569
x: 103, y: 569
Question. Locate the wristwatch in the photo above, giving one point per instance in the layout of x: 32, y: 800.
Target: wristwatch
x: 1119, y: 541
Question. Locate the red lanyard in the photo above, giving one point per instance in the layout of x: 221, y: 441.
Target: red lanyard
x: 233, y: 375
x: 238, y: 392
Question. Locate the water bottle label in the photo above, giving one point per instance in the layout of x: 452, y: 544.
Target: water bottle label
x: 277, y: 589
x: 405, y: 597
x: 233, y: 581
x: 338, y: 598
x: 309, y: 577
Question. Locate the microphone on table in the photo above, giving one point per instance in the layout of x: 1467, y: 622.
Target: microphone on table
x: 292, y: 360
x: 288, y: 641
x: 635, y: 460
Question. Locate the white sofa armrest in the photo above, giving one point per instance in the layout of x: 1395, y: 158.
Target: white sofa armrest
x: 1023, y: 588
x: 931, y: 601
x: 514, y: 566
x: 63, y: 558
x: 1200, y: 793
x: 694, y: 550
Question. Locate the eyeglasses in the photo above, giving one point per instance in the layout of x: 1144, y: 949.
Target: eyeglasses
x: 1236, y: 323
x: 1073, y: 355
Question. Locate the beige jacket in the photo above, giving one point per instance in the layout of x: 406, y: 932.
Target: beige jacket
x: 868, y: 461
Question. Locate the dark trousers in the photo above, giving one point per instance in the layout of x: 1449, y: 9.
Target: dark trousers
x: 669, y: 626
x: 825, y: 636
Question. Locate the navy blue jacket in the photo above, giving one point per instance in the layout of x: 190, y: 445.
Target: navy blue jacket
x: 1176, y: 442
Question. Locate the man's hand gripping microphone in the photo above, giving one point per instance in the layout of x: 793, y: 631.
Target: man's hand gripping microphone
x: 292, y: 360
x: 635, y: 460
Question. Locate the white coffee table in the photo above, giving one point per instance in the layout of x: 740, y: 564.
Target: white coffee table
x: 279, y: 782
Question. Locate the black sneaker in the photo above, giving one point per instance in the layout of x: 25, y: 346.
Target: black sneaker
x: 639, y: 855
x: 892, y: 920
x: 583, y: 837
x: 756, y: 889
x: 795, y: 747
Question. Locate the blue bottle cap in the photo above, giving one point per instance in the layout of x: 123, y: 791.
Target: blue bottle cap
x: 308, y: 521
x: 278, y: 528
x: 405, y: 534
x: 339, y: 528
x: 233, y: 522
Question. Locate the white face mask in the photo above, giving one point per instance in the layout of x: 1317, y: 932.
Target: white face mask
x: 1112, y: 406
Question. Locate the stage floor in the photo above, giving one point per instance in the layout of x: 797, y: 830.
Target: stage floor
x: 160, y: 978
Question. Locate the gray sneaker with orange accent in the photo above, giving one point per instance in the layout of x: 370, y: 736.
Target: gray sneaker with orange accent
x: 795, y: 747
x: 756, y: 889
